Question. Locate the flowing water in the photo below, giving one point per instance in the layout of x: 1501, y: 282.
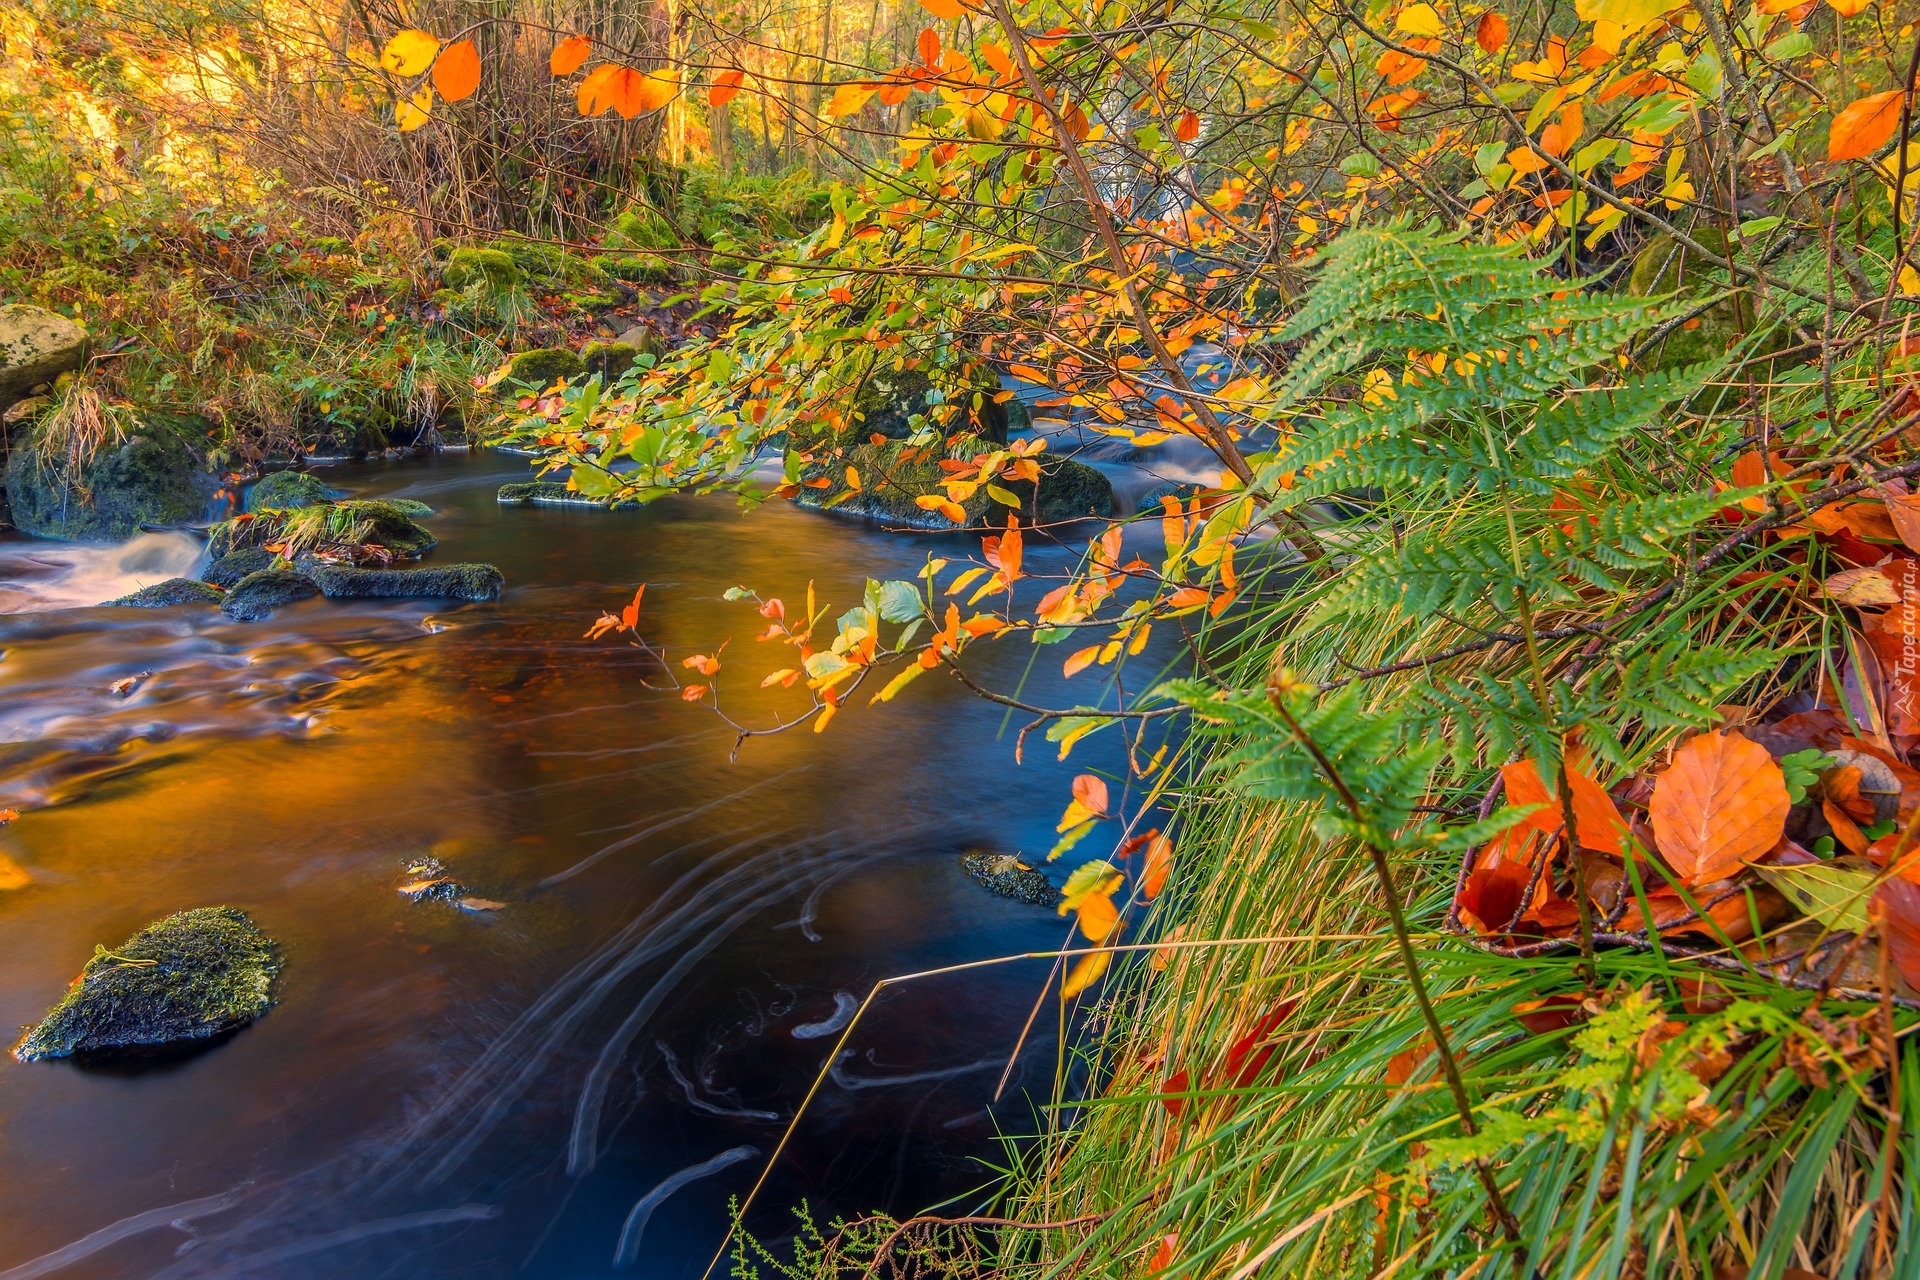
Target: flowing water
x: 575, y: 1083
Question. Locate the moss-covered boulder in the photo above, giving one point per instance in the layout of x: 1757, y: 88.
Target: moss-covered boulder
x: 409, y: 506
x: 493, y: 270
x: 152, y: 477
x: 1009, y: 877
x: 257, y: 595
x: 441, y: 582
x: 190, y: 976
x: 888, y: 399
x: 544, y: 366
x: 287, y: 490
x: 227, y: 570
x: 36, y: 346
x: 545, y: 493
x: 363, y: 520
x: 173, y: 591
x: 609, y: 359
x: 1069, y: 490
x: 1663, y: 267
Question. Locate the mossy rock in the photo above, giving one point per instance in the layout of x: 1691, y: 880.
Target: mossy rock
x: 162, y: 595
x: 440, y: 582
x: 892, y: 475
x: 545, y: 366
x: 545, y: 493
x: 1069, y: 490
x: 286, y: 490
x: 190, y: 976
x: 889, y: 398
x: 1009, y: 877
x: 384, y: 523
x: 257, y: 595
x: 152, y: 478
x: 1662, y: 267
x: 36, y: 346
x: 409, y: 506
x: 632, y: 268
x: 493, y: 270
x: 640, y: 228
x: 227, y: 570
x: 609, y: 359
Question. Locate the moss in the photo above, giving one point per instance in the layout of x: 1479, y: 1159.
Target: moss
x: 492, y: 269
x: 609, y: 359
x: 1069, y: 490
x: 285, y: 490
x: 1661, y: 267
x: 544, y: 493
x: 591, y: 301
x: 190, y: 976
x: 228, y: 569
x: 889, y: 398
x: 1011, y: 878
x: 171, y: 592
x: 545, y: 366
x: 409, y: 506
x: 153, y: 478
x: 257, y: 595
x: 640, y: 228
x: 443, y: 582
x: 633, y: 268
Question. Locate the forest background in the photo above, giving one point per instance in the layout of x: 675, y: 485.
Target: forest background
x: 1520, y: 872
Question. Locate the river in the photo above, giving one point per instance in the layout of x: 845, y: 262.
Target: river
x: 444, y: 1093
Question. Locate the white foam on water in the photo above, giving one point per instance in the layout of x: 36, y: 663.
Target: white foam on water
x: 39, y: 576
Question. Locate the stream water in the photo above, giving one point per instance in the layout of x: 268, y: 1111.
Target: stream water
x: 576, y: 1083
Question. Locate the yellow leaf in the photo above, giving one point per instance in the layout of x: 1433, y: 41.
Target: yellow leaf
x: 409, y: 53
x: 1098, y: 916
x: 784, y: 674
x: 853, y: 479
x: 411, y: 113
x: 1631, y: 14
x: 982, y: 125
x: 849, y: 98
x: 658, y: 88
x: 899, y: 682
x: 1909, y: 279
x: 1081, y: 660
x: 1086, y: 972
x: 1420, y: 20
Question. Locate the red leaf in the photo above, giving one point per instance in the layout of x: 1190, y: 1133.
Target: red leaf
x: 928, y: 46
x: 1247, y: 1057
x: 1164, y: 1255
x: 1176, y: 1083
x: 1899, y: 910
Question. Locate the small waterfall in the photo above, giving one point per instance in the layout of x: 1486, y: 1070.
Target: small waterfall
x: 38, y: 576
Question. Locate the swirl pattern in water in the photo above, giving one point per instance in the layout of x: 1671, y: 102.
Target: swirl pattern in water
x: 569, y: 1084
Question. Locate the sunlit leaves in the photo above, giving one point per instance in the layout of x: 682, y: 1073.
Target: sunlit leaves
x: 456, y: 73
x: 568, y: 55
x: 943, y: 8
x: 849, y: 98
x: 927, y: 45
x: 1491, y: 33
x: 1087, y: 971
x: 610, y: 87
x: 409, y: 52
x: 1420, y: 20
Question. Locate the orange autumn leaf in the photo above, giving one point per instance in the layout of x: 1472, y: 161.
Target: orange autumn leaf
x: 609, y: 87
x: 1080, y: 660
x: 1164, y: 1255
x: 702, y: 663
x: 725, y: 86
x: 928, y: 46
x: 1863, y: 126
x: 693, y: 693
x: 568, y: 55
x: 1721, y: 804
x: 943, y: 8
x: 934, y: 502
x: 1597, y: 820
x: 1158, y: 866
x: 1086, y: 972
x: 630, y: 616
x: 1188, y: 127
x: 456, y: 73
x: 1091, y: 792
x: 1896, y: 906
x: 997, y: 58
x: 1098, y: 916
x: 1491, y: 34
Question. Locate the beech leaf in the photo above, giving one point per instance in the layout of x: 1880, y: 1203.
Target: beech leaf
x: 1721, y: 804
x: 1864, y: 125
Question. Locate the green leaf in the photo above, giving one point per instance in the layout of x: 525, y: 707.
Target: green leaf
x: 1803, y: 769
x: 1073, y: 837
x: 1795, y: 44
x: 900, y: 601
x: 1005, y: 497
x: 1068, y: 730
x: 1834, y: 893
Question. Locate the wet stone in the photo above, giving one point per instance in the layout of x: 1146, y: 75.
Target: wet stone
x: 190, y: 976
x: 171, y: 592
x: 1009, y: 877
x: 229, y: 569
x: 438, y: 582
x: 257, y: 595
x: 544, y: 493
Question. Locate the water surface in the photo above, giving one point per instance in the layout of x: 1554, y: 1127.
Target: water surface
x: 444, y: 1093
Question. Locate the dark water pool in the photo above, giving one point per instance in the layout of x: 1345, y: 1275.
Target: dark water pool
x: 441, y: 1093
